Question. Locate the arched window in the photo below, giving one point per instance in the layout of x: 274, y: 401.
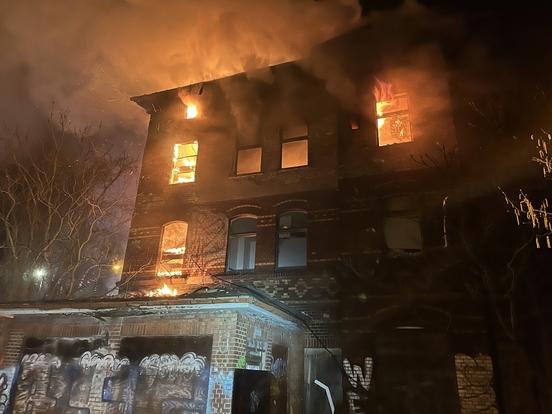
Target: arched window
x: 173, y: 247
x: 292, y: 239
x: 242, y: 240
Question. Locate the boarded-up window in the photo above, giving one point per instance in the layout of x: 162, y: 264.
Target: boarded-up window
x: 292, y: 239
x: 393, y: 120
x: 184, y: 163
x: 249, y: 161
x: 401, y: 226
x: 242, y: 243
x: 295, y: 146
x: 173, y: 247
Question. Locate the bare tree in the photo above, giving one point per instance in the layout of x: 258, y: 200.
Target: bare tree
x: 61, y: 212
x: 526, y: 210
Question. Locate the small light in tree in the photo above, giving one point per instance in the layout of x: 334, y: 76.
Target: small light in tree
x: 191, y: 111
x: 39, y: 273
x: 116, y: 266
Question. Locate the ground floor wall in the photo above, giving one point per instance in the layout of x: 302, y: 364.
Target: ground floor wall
x: 166, y: 363
x: 399, y: 371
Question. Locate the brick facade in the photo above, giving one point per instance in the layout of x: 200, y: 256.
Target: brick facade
x: 474, y: 376
x: 230, y: 331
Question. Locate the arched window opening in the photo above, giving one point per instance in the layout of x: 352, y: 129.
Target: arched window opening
x: 173, y: 247
x: 242, y: 240
x: 292, y: 239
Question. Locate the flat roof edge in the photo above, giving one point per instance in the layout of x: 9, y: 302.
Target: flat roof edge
x: 136, y: 308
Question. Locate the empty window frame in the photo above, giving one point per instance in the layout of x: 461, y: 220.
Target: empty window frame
x: 393, y: 120
x: 248, y: 160
x: 242, y: 240
x: 295, y: 146
x: 184, y: 163
x: 292, y: 239
x: 172, y: 249
x: 401, y: 226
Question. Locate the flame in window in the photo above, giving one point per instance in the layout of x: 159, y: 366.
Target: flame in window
x: 392, y: 112
x: 191, y: 111
x: 162, y: 292
x: 184, y: 163
x: 173, y: 247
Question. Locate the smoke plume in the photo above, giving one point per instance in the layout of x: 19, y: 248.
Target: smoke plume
x: 87, y: 57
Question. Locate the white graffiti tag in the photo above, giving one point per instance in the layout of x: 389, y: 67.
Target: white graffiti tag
x: 189, y: 364
x: 355, y: 374
x: 101, y: 361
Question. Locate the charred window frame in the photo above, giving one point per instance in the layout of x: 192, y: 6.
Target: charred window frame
x: 242, y: 244
x: 248, y: 160
x: 172, y: 247
x: 393, y: 120
x: 294, y: 151
x: 184, y: 162
x: 292, y: 240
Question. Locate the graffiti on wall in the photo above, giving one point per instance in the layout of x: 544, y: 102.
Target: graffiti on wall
x: 140, y: 382
x: 168, y: 384
x: 359, y: 379
x: 6, y: 379
x: 48, y: 383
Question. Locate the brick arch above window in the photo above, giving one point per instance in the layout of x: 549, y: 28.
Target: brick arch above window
x: 243, y: 209
x: 291, y: 205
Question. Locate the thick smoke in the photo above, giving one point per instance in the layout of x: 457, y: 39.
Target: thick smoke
x: 88, y: 57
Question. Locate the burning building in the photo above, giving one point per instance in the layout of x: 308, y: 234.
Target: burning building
x: 285, y: 255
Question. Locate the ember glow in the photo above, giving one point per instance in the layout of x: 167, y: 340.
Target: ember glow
x: 191, y: 111
x: 162, y: 292
x: 175, y: 250
x: 167, y: 273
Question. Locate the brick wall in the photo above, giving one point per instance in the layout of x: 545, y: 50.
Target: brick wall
x: 474, y: 378
x: 230, y: 332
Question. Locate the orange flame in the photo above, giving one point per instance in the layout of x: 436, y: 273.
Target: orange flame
x: 383, y: 91
x: 164, y: 291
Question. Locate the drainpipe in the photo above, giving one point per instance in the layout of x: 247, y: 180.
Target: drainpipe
x: 445, y: 236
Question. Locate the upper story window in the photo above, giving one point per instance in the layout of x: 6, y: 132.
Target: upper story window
x: 249, y: 161
x: 184, y: 163
x: 242, y: 240
x: 393, y: 120
x: 173, y: 247
x: 401, y: 226
x: 191, y: 111
x: 292, y: 239
x: 295, y: 146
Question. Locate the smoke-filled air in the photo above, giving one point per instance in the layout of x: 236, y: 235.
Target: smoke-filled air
x: 93, y: 55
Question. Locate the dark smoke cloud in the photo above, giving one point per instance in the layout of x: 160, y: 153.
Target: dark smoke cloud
x: 89, y: 56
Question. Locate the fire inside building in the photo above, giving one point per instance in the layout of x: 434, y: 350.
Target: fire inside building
x: 290, y: 251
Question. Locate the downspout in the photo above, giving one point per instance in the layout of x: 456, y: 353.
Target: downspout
x: 445, y: 236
